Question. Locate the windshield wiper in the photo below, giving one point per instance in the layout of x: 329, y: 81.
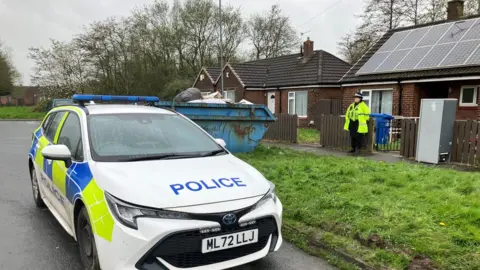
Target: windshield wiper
x: 158, y: 157
x: 213, y: 153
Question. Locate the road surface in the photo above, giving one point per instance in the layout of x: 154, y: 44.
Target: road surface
x: 33, y: 239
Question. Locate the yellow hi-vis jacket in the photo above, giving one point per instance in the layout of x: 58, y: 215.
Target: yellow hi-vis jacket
x: 360, y: 113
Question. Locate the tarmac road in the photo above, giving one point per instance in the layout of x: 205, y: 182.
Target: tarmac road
x: 33, y: 239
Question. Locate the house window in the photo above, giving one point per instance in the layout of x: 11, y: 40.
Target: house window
x: 297, y: 103
x: 230, y: 94
x: 469, y: 96
x: 202, y: 77
x: 379, y: 100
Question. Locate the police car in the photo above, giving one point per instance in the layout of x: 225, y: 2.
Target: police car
x: 139, y: 187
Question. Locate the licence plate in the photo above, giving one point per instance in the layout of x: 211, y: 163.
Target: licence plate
x: 229, y: 241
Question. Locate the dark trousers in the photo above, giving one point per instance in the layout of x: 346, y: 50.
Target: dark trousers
x: 356, y: 138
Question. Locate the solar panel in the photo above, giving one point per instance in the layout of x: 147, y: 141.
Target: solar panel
x: 474, y: 58
x: 460, y: 53
x: 413, y: 38
x: 373, y: 62
x: 393, y: 41
x: 474, y: 32
x: 412, y: 59
x: 435, y: 33
x: 392, y: 61
x: 435, y: 56
x: 439, y: 46
x: 457, y: 31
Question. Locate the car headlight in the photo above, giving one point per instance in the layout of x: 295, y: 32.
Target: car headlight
x: 270, y: 195
x: 127, y: 214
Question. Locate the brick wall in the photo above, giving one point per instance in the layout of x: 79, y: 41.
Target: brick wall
x: 204, y: 85
x: 314, y: 94
x: 255, y: 96
x: 232, y: 83
x: 412, y: 95
x: 349, y: 93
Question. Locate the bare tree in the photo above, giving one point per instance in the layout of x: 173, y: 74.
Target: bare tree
x: 8, y: 73
x: 271, y: 34
x: 472, y: 7
x: 435, y: 10
x: 156, y: 51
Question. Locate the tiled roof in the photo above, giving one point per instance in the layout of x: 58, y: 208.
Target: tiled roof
x: 350, y: 76
x: 292, y: 70
x: 214, y: 72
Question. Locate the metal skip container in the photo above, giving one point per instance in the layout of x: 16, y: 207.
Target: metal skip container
x: 241, y: 126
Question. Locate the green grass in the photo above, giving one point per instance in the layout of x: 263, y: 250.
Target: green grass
x: 308, y: 136
x: 414, y: 209
x: 19, y: 112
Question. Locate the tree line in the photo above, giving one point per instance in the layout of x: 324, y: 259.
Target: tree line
x: 8, y: 72
x: 379, y: 16
x: 158, y: 49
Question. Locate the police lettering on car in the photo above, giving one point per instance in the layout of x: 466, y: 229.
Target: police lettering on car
x: 132, y: 183
x: 208, y: 184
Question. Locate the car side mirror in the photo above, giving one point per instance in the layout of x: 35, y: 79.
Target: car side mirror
x: 221, y: 142
x: 58, y: 152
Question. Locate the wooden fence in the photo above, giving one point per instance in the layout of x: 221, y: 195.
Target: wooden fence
x: 334, y: 136
x: 408, y: 137
x: 284, y: 129
x: 465, y: 148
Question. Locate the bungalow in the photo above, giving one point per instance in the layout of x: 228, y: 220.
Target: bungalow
x: 436, y: 60
x: 206, y: 78
x: 22, y: 95
x: 292, y: 83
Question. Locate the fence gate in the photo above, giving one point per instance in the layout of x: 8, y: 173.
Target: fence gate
x: 332, y: 134
x: 284, y: 129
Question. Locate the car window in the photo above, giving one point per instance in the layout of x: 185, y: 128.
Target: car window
x: 71, y: 136
x: 117, y: 137
x: 47, y: 121
x: 53, y: 126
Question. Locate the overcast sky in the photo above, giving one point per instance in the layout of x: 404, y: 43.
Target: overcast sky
x: 31, y: 23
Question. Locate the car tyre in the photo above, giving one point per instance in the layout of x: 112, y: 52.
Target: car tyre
x: 37, y: 196
x: 86, y: 242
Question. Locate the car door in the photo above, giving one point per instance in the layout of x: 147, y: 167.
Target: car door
x: 51, y: 193
x: 70, y: 135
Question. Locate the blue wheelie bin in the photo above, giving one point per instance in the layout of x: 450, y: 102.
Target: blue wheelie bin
x: 241, y: 126
x: 382, y: 121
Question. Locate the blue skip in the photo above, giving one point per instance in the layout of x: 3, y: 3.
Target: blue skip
x: 241, y: 126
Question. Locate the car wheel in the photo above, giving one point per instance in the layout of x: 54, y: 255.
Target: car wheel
x: 86, y: 242
x: 37, y: 197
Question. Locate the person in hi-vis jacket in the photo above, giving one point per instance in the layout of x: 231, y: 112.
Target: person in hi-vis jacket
x: 356, y: 119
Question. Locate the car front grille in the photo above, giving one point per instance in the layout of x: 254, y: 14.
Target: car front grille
x: 184, y: 249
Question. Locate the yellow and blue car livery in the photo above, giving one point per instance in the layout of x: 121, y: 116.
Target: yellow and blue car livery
x: 211, y: 211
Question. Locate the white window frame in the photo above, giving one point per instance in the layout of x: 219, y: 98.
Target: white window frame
x: 227, y: 96
x: 292, y: 97
x: 367, y: 99
x: 475, y: 96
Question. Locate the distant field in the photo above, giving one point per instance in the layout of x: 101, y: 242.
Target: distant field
x: 19, y: 112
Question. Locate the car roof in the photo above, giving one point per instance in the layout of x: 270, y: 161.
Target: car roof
x: 124, y: 108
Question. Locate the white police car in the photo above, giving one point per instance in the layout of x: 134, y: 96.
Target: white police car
x: 141, y: 187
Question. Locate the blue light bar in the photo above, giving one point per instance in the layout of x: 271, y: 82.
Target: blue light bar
x: 79, y: 97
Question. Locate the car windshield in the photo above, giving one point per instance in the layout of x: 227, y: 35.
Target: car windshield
x: 63, y: 102
x: 134, y: 137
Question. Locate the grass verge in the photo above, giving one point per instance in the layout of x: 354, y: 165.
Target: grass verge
x: 19, y: 112
x: 308, y: 136
x: 385, y: 214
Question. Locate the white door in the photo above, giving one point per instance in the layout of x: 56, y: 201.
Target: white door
x: 271, y: 101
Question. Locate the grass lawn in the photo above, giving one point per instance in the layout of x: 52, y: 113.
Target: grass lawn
x: 382, y: 213
x: 19, y: 112
x: 308, y: 136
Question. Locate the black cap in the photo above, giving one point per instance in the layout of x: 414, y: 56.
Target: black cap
x: 359, y: 95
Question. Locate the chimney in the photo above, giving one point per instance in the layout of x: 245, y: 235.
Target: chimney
x: 455, y: 9
x: 308, y: 48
